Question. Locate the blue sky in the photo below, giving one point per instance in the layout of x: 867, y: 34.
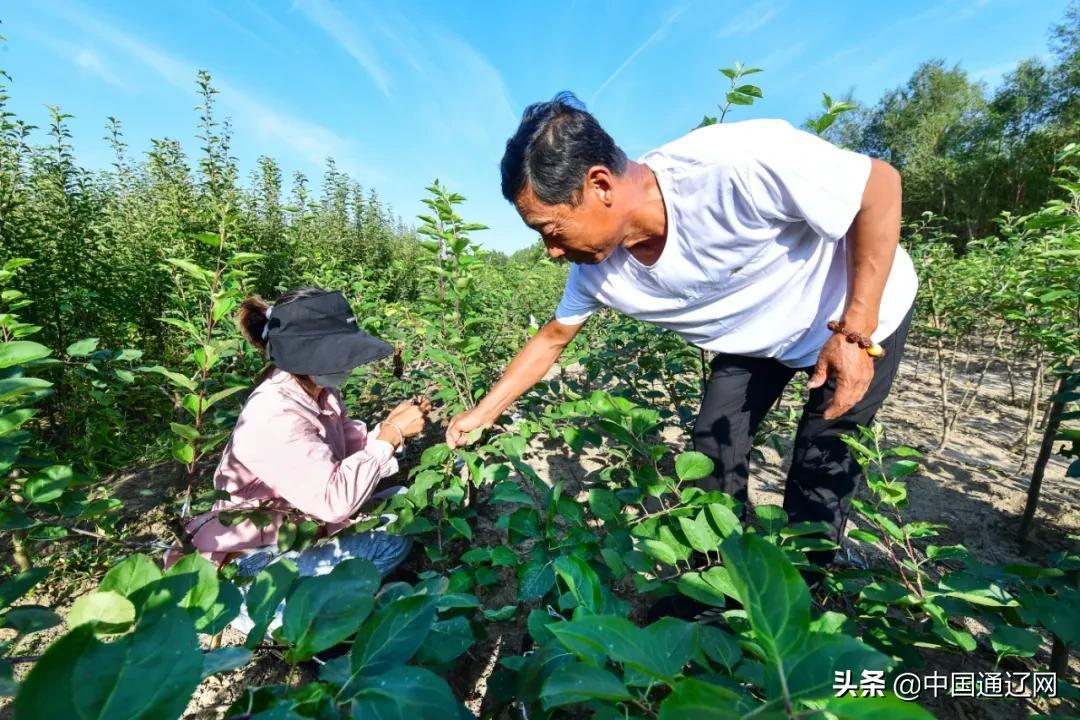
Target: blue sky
x: 400, y: 93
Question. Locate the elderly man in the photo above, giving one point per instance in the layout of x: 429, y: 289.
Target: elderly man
x: 762, y: 243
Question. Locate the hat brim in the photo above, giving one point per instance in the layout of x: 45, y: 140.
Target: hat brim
x: 324, y: 354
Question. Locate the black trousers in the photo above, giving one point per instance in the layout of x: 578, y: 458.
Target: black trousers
x: 823, y: 474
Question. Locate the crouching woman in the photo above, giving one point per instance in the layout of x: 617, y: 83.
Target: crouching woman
x: 295, y: 453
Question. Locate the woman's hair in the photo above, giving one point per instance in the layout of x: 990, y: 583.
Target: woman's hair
x: 252, y: 319
x: 252, y: 316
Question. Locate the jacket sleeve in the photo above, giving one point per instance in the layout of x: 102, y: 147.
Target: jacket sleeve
x: 357, y: 435
x: 287, y: 454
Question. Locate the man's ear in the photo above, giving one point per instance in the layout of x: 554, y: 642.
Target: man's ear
x: 600, y: 182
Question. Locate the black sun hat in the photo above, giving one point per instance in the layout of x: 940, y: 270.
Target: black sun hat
x: 318, y: 335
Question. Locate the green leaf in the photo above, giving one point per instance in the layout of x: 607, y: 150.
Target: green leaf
x: 724, y: 520
x: 183, y: 452
x: 194, y: 404
x: 659, y: 551
x: 577, y: 683
x: 772, y: 518
x: 693, y: 699
x: 604, y: 406
x: 175, y: 378
x: 669, y: 645
x: 224, y: 659
x: 871, y: 708
x: 462, y: 526
x: 146, y: 675
x: 224, y: 610
x: 16, y: 263
x: 11, y: 388
x: 752, y: 90
x: 264, y: 595
x: 574, y: 438
x: 810, y: 670
x: 9, y: 422
x: 510, y: 492
x: 185, y: 431
x: 502, y: 556
x: 393, y: 635
x: 699, y: 534
x: 402, y: 693
x: 21, y: 584
x: 209, y: 238
x: 1009, y: 641
x: 535, y: 580
x: 864, y: 536
x: 502, y: 614
x: 604, y: 504
x: 108, y: 611
x: 582, y: 582
x: 719, y: 646
x: 192, y: 579
x: 286, y: 536
x: 8, y: 686
x: 446, y: 642
x: 435, y: 455
x: 82, y: 348
x: 595, y: 638
x: 221, y: 395
x: 48, y: 484
x: 193, y: 270
x: 690, y: 466
x: 712, y: 587
x: 776, y: 599
x: 20, y: 352
x: 523, y: 523
x: 243, y: 258
x: 323, y: 611
x: 27, y: 619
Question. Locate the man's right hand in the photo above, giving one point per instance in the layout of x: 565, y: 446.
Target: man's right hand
x: 525, y: 370
x: 461, y: 425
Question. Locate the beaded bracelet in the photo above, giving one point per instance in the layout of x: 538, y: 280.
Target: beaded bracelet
x: 872, y: 348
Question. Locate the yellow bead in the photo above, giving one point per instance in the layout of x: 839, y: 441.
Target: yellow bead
x: 875, y: 350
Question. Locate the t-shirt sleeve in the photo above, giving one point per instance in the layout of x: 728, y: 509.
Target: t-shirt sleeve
x: 577, y: 304
x: 796, y: 176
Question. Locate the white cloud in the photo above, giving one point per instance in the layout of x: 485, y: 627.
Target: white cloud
x: 655, y: 37
x: 354, y: 42
x: 443, y: 79
x: 754, y: 17
x: 92, y: 63
x: 308, y: 140
x: 994, y: 74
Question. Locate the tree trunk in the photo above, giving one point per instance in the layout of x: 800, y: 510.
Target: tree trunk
x: 1047, y: 446
x: 18, y: 552
x: 1032, y: 410
x: 1059, y: 653
x: 943, y: 380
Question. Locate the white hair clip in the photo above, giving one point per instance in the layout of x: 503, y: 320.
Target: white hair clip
x: 266, y: 327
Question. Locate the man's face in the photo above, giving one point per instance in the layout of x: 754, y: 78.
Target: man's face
x: 586, y: 233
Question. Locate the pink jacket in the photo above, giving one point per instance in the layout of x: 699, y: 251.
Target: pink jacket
x: 290, y: 451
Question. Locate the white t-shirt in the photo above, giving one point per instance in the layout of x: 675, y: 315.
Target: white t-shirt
x: 755, y: 261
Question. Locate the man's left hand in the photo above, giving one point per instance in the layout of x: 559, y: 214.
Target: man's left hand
x: 852, y: 368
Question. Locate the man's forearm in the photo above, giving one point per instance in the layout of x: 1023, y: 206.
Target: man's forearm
x: 526, y: 369
x: 872, y: 242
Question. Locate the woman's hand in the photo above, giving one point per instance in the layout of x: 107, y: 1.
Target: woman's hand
x: 410, y: 416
